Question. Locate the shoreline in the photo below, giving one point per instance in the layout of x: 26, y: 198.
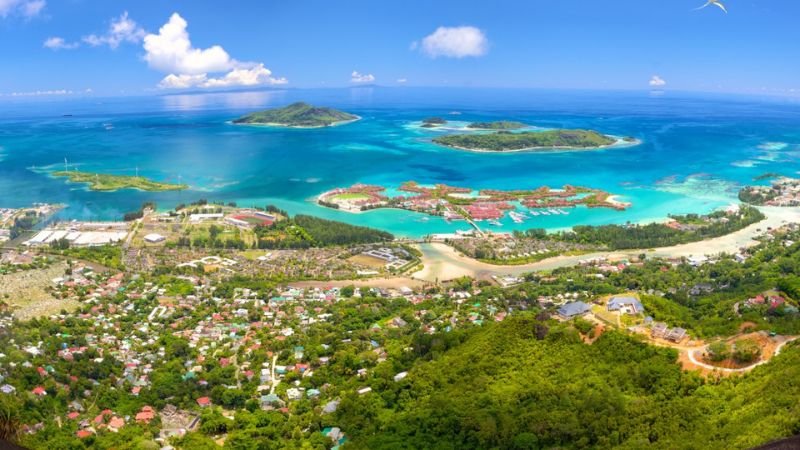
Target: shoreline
x: 442, y: 262
x: 298, y: 127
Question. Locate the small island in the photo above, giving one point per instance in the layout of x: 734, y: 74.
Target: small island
x: 298, y: 115
x: 504, y: 141
x: 498, y: 125
x: 433, y: 122
x: 105, y: 182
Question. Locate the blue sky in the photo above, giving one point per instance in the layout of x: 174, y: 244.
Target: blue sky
x: 608, y: 44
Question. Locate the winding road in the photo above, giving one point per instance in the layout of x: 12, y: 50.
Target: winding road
x: 691, y: 354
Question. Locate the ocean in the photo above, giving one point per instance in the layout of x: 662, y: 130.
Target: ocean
x: 696, y: 151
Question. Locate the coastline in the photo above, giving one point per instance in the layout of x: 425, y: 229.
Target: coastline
x: 442, y: 262
x: 299, y: 127
x: 619, y: 144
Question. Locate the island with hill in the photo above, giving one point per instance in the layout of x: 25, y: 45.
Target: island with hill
x: 107, y: 182
x: 298, y: 115
x: 497, y: 125
x: 505, y: 141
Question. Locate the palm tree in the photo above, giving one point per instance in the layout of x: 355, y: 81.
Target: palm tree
x: 10, y: 426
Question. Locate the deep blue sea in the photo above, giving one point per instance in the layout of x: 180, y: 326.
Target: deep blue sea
x: 696, y: 150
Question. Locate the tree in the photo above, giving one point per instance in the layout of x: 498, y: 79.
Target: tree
x: 746, y: 351
x: 719, y: 351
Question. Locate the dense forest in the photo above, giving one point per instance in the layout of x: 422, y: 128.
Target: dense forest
x: 508, y: 386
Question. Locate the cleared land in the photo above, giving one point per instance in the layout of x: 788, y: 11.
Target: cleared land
x: 26, y: 293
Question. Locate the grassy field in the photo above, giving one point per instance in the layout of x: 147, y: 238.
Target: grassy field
x: 106, y: 182
x: 350, y: 196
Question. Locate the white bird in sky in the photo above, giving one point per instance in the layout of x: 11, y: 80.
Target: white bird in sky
x: 714, y: 2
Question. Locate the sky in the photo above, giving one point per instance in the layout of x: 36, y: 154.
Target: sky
x: 121, y: 47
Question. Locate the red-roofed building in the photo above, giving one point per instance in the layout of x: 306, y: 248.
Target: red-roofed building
x: 204, y: 401
x: 40, y: 391
x: 83, y: 434
x: 116, y: 423
x: 73, y: 415
x: 146, y: 414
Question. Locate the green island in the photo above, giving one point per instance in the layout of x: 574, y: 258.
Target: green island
x: 106, y: 182
x: 504, y: 141
x: 298, y: 115
x: 497, y: 125
x: 433, y: 122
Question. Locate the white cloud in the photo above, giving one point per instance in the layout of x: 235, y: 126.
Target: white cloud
x: 245, y: 77
x: 171, y: 51
x: 25, y: 8
x: 173, y: 81
x: 454, y: 42
x: 402, y: 80
x: 122, y: 29
x: 657, y: 81
x: 357, y: 77
x: 58, y: 43
x: 237, y: 77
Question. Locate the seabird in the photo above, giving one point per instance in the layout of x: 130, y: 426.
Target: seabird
x: 714, y: 2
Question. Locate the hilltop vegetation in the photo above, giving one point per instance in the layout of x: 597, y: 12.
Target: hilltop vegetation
x: 300, y: 115
x: 528, y: 140
x: 528, y: 384
x: 106, y: 182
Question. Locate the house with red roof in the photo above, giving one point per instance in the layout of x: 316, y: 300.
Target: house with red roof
x: 204, y: 402
x: 146, y: 414
x: 39, y: 391
x: 83, y: 434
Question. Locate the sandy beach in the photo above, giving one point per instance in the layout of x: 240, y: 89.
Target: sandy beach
x: 442, y: 262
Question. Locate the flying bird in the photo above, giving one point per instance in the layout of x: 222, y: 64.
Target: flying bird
x: 716, y: 3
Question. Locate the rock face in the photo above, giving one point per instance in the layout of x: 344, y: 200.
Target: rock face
x: 299, y: 115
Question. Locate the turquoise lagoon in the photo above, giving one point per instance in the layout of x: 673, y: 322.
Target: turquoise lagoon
x: 696, y: 151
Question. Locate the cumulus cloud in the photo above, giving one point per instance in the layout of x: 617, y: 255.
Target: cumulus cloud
x: 454, y: 42
x: 58, y: 43
x: 237, y: 77
x: 357, y: 77
x: 25, y: 8
x: 122, y: 29
x: 657, y: 81
x: 402, y: 80
x: 171, y: 51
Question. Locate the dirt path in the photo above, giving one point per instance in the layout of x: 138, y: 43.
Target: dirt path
x: 780, y: 342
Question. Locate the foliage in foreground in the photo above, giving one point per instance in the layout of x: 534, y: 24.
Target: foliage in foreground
x: 505, y: 388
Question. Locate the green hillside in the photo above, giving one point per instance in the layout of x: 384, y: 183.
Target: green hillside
x: 297, y: 115
x: 524, y: 384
